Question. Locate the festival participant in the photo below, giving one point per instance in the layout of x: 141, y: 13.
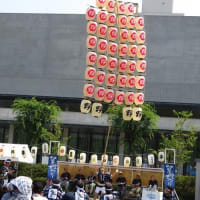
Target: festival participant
x: 65, y: 178
x: 108, y: 192
x: 91, y: 183
x: 37, y: 191
x: 80, y: 176
x: 121, y: 183
x: 54, y: 192
x: 102, y: 179
x: 136, y: 187
x: 153, y: 183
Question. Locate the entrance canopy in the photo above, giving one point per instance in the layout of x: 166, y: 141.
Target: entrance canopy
x: 16, y: 153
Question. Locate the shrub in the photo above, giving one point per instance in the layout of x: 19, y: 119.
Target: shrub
x: 185, y: 187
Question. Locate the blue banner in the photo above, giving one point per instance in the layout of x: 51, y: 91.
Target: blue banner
x: 169, y: 175
x: 52, y: 167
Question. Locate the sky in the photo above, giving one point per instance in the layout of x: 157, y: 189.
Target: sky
x: 189, y: 8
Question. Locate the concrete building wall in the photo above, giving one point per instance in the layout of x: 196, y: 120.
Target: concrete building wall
x: 44, y: 55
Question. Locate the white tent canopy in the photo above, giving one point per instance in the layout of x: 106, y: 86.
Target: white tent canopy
x: 16, y: 153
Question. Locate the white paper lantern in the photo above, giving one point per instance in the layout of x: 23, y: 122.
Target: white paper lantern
x: 45, y: 148
x: 137, y: 114
x: 151, y: 159
x: 13, y: 152
x: 82, y: 158
x: 34, y: 152
x: 161, y: 156
x: 104, y: 159
x: 127, y: 161
x: 72, y: 154
x: 139, y: 161
x: 85, y: 106
x: 115, y: 160
x: 94, y: 159
x: 62, y: 150
x: 127, y: 113
x: 1, y: 151
x: 24, y: 153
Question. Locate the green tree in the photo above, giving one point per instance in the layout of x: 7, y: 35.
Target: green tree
x: 138, y: 135
x: 36, y: 121
x: 182, y: 141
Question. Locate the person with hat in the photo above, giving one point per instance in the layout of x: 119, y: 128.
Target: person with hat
x: 121, y: 183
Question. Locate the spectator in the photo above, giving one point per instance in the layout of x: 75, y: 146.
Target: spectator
x: 108, y: 192
x: 136, y: 187
x: 91, y: 183
x: 153, y: 183
x: 54, y: 192
x: 65, y: 178
x: 121, y: 183
x: 80, y: 176
x: 37, y: 191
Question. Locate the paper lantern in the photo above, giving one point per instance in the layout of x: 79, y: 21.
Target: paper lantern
x: 122, y: 21
x: 102, y: 46
x: 151, y: 159
x: 129, y: 98
x: 45, y: 148
x: 72, y: 154
x: 110, y: 80
x: 109, y: 95
x: 161, y: 156
x: 127, y: 113
x: 120, y: 8
x: 97, y: 109
x: 115, y: 160
x: 102, y: 61
x: 90, y: 13
x: 111, y: 19
x: 91, y: 27
x: 131, y: 65
x: 1, y: 151
x: 13, y: 152
x: 127, y: 161
x: 62, y: 150
x: 139, y: 98
x: 91, y: 42
x: 130, y: 22
x: 140, y: 37
x: 90, y: 73
x: 82, y: 158
x: 123, y: 35
x: 94, y: 159
x: 138, y: 161
x: 130, y: 83
x: 123, y: 48
x: 121, y: 80
x: 100, y: 77
x: 110, y: 5
x: 129, y: 9
x: 85, y: 106
x: 139, y: 82
x: 122, y: 65
x: 132, y: 50
x: 112, y: 33
x: 139, y: 23
x: 112, y: 48
x: 132, y: 36
x: 112, y: 63
x: 88, y: 90
x: 23, y: 152
x: 141, y: 65
x: 91, y: 58
x: 104, y: 159
x: 137, y: 114
x: 100, y: 3
x: 102, y: 31
x: 99, y: 93
x: 101, y: 16
x: 34, y: 152
x: 141, y: 51
x: 119, y: 97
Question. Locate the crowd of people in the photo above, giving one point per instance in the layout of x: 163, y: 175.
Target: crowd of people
x: 96, y: 185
